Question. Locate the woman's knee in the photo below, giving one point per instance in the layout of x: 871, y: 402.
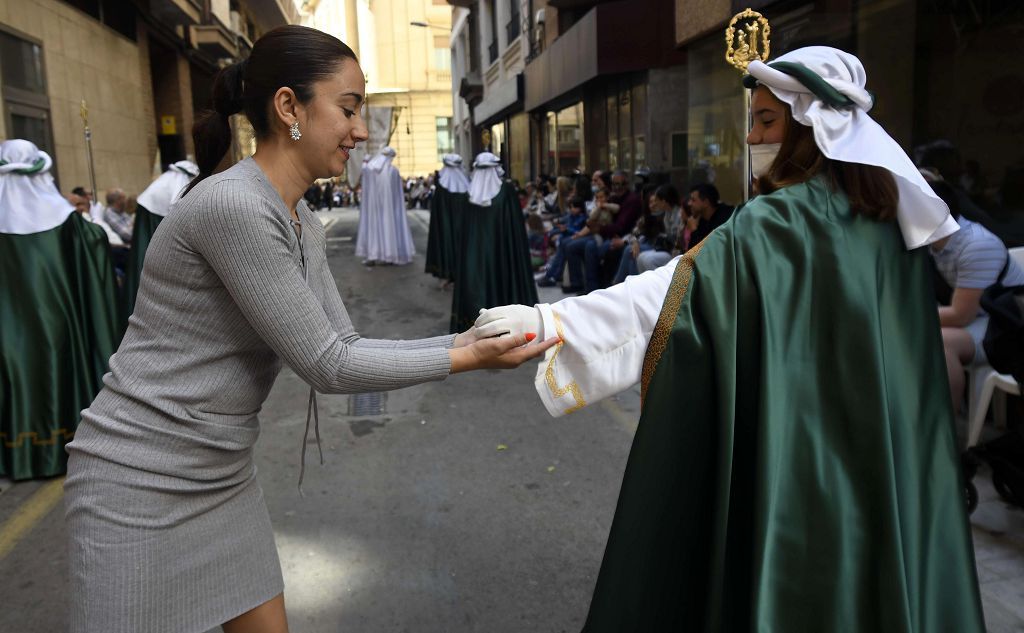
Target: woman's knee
x: 959, y: 342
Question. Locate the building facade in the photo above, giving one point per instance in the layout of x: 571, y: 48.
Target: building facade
x: 571, y: 85
x: 143, y: 69
x: 643, y: 85
x: 404, y: 50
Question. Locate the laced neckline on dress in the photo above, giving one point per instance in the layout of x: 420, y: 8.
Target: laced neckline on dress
x: 312, y: 410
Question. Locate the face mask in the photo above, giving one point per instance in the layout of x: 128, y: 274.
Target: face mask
x: 761, y: 158
x: 593, y: 188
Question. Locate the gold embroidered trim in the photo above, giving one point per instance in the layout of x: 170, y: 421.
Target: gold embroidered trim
x: 549, y: 374
x: 669, y: 309
x: 20, y: 438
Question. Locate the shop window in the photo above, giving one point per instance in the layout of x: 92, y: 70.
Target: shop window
x: 625, y: 130
x: 716, y: 123
x: 612, y: 117
x: 679, y: 150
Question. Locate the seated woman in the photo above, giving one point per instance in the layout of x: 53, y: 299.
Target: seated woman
x: 969, y: 261
x: 795, y: 466
x: 678, y: 226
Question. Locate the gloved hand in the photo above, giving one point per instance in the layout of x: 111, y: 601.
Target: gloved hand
x: 514, y: 320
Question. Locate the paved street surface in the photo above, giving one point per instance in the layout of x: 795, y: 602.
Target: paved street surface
x: 462, y: 507
x: 416, y: 521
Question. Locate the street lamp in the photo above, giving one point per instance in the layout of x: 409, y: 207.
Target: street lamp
x: 424, y: 25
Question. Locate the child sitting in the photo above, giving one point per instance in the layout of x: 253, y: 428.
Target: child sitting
x: 602, y: 215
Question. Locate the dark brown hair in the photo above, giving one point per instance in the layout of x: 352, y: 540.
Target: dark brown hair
x: 293, y: 56
x: 871, y: 190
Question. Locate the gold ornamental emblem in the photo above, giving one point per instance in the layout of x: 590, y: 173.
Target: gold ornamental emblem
x: 746, y: 39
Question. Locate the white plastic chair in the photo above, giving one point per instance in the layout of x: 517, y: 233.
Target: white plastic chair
x: 983, y: 383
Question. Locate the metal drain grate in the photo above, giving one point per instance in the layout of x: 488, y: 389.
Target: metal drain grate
x: 360, y: 404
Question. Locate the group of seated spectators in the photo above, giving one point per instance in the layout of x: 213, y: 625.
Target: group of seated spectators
x: 117, y: 219
x: 327, y: 195
x: 602, y: 230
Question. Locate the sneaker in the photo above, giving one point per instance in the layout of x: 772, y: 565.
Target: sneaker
x: 572, y: 289
x: 546, y: 282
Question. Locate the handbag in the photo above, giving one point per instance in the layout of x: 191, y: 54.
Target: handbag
x: 1004, y: 338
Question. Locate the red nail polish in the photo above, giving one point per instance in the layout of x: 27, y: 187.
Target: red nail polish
x: 530, y: 336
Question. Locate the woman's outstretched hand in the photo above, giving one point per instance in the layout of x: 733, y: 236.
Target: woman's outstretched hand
x: 503, y: 352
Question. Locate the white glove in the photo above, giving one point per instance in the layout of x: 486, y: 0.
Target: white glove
x: 511, y: 320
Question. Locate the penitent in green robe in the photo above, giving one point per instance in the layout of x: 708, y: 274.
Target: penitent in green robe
x: 443, y: 238
x: 142, y: 234
x: 795, y: 467
x: 58, y: 329
x: 492, y: 259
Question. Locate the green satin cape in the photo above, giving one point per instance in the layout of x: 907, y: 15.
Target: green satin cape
x: 142, y: 234
x: 492, y: 259
x: 442, y: 240
x: 58, y: 328
x: 795, y: 465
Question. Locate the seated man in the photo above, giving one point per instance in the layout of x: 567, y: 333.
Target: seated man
x: 705, y: 204
x: 970, y: 260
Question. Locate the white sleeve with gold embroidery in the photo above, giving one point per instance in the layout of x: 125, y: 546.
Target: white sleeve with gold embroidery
x: 604, y: 339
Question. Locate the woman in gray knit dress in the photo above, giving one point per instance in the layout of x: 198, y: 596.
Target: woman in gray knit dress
x: 168, y: 530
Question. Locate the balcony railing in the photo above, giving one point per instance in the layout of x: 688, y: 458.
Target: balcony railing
x: 512, y: 29
x: 492, y: 52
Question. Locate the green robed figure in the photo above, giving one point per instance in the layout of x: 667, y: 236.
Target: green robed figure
x: 446, y: 208
x: 795, y: 466
x: 58, y: 314
x: 492, y: 255
x: 154, y: 203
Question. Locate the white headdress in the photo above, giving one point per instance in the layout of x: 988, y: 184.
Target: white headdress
x: 452, y: 177
x: 824, y: 87
x: 29, y: 199
x: 384, y: 157
x: 486, y: 183
x: 166, y: 189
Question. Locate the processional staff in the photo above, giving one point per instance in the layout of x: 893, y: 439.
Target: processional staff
x: 746, y: 39
x: 88, y: 150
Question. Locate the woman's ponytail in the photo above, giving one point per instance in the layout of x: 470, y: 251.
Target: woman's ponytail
x: 291, y: 55
x: 211, y: 133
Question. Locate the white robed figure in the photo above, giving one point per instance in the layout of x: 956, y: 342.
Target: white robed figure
x: 383, y: 235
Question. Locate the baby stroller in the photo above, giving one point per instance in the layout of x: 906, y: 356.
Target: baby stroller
x: 1005, y: 456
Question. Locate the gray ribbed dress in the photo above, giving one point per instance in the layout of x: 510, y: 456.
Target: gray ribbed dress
x: 168, y: 530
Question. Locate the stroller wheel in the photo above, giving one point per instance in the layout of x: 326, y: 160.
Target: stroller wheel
x: 971, y: 496
x: 1001, y: 487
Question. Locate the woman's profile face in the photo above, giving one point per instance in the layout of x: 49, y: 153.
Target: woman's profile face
x: 334, y: 121
x: 769, y: 118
